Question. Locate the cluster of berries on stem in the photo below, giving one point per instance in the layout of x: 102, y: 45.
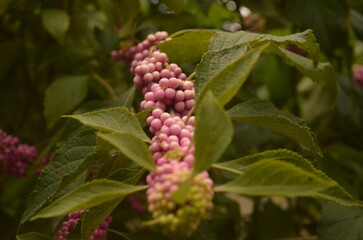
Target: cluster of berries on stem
x: 167, y: 89
x: 15, y: 157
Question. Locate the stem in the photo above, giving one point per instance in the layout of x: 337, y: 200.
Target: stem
x: 189, y: 115
x: 104, y: 84
x: 191, y: 76
x: 116, y: 232
x: 152, y: 49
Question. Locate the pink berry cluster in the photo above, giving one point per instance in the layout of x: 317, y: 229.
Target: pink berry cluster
x: 167, y: 89
x: 139, y: 49
x: 358, y: 74
x: 15, y: 158
x: 73, y: 218
x: 171, y: 217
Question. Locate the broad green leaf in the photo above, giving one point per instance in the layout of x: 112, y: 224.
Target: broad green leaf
x: 226, y: 83
x: 341, y: 223
x: 262, y: 113
x: 262, y: 174
x: 196, y: 42
x: 68, y: 157
x: 127, y: 175
x: 304, y: 40
x: 32, y: 236
x: 56, y: 21
x: 174, y: 5
x: 222, y: 40
x: 322, y: 73
x: 275, y: 178
x: 213, y: 133
x: 240, y: 165
x: 94, y: 216
x: 214, y: 61
x: 86, y: 196
x: 63, y: 95
x: 132, y: 147
x: 116, y: 120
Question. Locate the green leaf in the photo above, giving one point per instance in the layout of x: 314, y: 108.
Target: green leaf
x: 222, y: 40
x: 63, y: 95
x: 322, y: 73
x: 69, y: 156
x: 32, y: 236
x: 226, y: 83
x: 196, y: 42
x: 132, y: 147
x: 214, y: 61
x: 95, y: 216
x: 240, y: 165
x: 92, y: 218
x: 262, y: 113
x: 142, y: 116
x: 339, y: 222
x: 56, y: 21
x: 88, y: 195
x: 282, y: 173
x: 213, y: 133
x: 115, y: 120
x: 304, y: 40
x: 174, y: 5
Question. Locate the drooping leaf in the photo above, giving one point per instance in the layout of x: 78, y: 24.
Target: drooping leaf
x: 240, y: 165
x: 322, y: 73
x: 116, y: 120
x: 88, y: 195
x: 56, y: 21
x: 63, y: 95
x: 304, y: 40
x: 32, y: 236
x: 196, y: 43
x: 282, y: 173
x: 132, y: 147
x: 69, y: 156
x: 226, y: 83
x: 341, y: 223
x: 262, y: 113
x: 213, y: 133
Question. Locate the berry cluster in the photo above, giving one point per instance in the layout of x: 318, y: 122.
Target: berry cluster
x: 173, y: 218
x: 167, y: 88
x: 15, y: 158
x: 67, y: 226
x: 358, y: 74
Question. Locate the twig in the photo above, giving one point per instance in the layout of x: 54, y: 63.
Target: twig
x: 104, y: 84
